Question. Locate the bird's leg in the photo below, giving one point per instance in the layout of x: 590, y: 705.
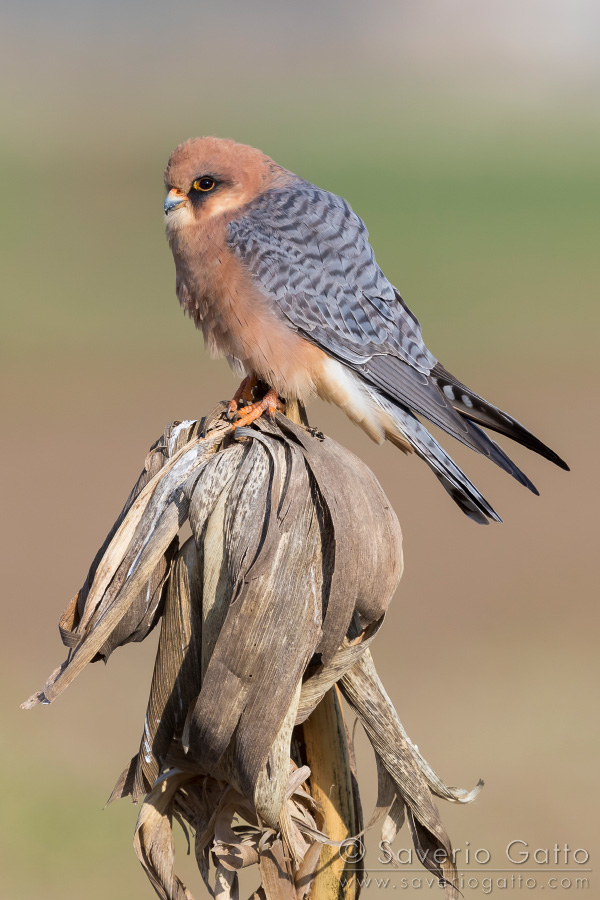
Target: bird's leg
x: 270, y: 403
x: 244, y: 392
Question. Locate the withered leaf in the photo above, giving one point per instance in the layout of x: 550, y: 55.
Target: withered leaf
x: 275, y: 599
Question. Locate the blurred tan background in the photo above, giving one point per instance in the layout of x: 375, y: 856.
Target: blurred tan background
x: 467, y: 136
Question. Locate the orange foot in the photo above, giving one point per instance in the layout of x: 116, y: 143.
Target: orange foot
x: 270, y: 403
x: 244, y: 392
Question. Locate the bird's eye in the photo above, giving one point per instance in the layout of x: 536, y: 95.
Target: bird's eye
x: 204, y: 184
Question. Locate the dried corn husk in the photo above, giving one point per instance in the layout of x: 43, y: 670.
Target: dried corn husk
x: 294, y: 556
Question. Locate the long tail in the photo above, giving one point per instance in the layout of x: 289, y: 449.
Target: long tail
x: 471, y: 406
x: 402, y: 426
x: 439, y: 397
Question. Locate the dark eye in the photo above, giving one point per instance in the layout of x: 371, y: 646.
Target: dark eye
x: 204, y: 184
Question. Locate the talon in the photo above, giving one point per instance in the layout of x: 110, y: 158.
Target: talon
x: 244, y: 392
x: 270, y: 403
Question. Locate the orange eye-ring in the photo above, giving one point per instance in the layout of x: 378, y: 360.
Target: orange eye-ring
x: 204, y: 184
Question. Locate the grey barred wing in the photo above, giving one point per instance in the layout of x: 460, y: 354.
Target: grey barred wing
x: 311, y: 254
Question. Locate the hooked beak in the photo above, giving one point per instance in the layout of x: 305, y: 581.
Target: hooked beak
x: 173, y: 200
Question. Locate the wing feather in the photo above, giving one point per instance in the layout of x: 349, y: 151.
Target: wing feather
x: 311, y: 254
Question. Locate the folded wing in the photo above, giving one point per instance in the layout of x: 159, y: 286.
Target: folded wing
x: 311, y: 255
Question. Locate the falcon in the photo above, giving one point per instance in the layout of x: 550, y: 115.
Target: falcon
x: 280, y: 277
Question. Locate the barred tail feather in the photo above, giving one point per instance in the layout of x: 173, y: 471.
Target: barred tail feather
x: 471, y: 406
x: 402, y: 426
x: 430, y: 397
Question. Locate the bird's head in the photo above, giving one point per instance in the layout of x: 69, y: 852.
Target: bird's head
x: 206, y: 177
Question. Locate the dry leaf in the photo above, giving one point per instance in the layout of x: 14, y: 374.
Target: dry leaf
x: 294, y: 556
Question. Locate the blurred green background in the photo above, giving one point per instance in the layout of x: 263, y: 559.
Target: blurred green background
x: 467, y: 137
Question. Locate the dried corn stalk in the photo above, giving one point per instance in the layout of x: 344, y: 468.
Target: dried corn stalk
x: 273, y: 602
